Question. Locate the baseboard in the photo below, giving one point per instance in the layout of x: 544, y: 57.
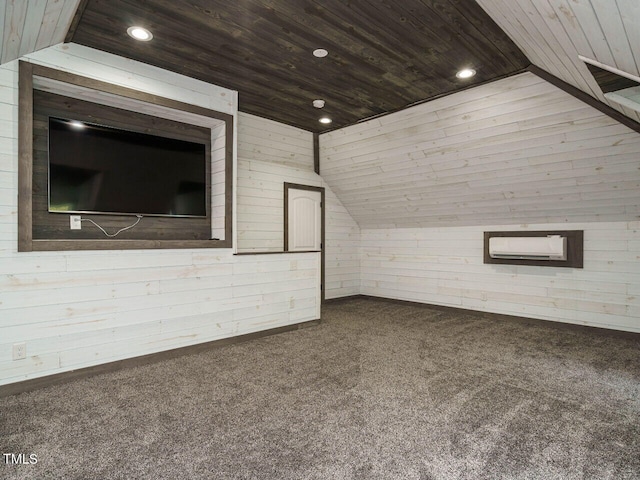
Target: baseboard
x: 72, y: 375
x: 342, y: 299
x: 513, y: 318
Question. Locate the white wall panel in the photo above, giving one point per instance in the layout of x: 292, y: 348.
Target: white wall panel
x: 518, y: 150
x: 269, y: 154
x: 78, y: 309
x: 444, y: 266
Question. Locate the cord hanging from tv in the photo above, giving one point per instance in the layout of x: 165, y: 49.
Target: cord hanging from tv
x: 102, y: 169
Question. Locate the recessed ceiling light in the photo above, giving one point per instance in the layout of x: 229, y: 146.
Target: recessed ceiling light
x: 318, y: 103
x: 466, y: 73
x: 140, y: 33
x: 320, y: 53
x: 325, y: 120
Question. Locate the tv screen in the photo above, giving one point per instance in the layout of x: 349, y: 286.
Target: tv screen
x: 102, y: 169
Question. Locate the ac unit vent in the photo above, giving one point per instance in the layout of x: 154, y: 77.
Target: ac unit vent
x: 552, y: 247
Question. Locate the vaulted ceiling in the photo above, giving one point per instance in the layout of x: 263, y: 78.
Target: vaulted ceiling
x: 515, y: 150
x: 383, y: 56
x: 554, y: 33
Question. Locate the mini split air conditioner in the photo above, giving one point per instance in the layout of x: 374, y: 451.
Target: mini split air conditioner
x: 552, y: 247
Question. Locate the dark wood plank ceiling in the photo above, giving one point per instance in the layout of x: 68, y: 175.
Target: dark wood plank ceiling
x: 384, y: 55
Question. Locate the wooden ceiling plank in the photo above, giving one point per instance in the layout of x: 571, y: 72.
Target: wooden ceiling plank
x: 476, y: 27
x: 630, y: 13
x: 238, y: 76
x: 268, y: 26
x: 589, y: 24
x: 562, y: 45
x: 290, y: 96
x: 49, y: 23
x: 581, y: 44
x: 15, y: 16
x: 610, y: 20
x: 516, y: 31
x: 4, y: 36
x: 367, y: 73
x: 387, y: 32
x: 604, y: 108
x: 540, y: 36
x: 31, y: 27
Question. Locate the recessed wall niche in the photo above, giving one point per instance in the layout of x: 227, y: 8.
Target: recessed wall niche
x: 46, y: 93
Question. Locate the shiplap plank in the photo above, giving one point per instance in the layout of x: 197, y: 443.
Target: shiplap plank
x: 445, y: 267
x: 109, y: 68
x: 514, y: 28
x: 31, y: 27
x: 64, y: 21
x: 3, y: 38
x: 50, y: 19
x: 590, y: 24
x: 260, y: 206
x: 543, y: 39
x: 610, y: 21
x: 555, y: 164
x: 564, y: 48
x: 77, y: 309
x: 14, y: 19
x: 630, y: 14
x: 553, y: 32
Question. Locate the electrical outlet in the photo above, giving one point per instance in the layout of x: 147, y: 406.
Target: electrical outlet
x: 75, y: 222
x: 19, y: 351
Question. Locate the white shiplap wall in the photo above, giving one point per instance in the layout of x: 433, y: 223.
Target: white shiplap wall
x: 77, y: 309
x: 425, y: 183
x: 444, y: 266
x: 518, y: 150
x: 269, y: 154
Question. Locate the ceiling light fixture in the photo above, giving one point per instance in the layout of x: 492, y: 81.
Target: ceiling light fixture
x: 318, y: 103
x: 325, y: 120
x: 320, y: 53
x: 140, y: 33
x: 466, y: 73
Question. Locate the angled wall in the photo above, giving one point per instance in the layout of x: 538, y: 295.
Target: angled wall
x: 517, y: 154
x: 75, y: 309
x: 269, y: 154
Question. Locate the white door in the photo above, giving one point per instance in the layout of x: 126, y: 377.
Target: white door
x: 305, y: 220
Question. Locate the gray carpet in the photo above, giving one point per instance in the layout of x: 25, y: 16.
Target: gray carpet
x: 377, y: 391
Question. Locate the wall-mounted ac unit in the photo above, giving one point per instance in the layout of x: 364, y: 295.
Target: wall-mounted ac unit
x: 552, y: 247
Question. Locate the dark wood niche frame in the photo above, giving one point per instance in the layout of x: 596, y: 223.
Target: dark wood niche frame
x: 26, y: 240
x: 575, y: 242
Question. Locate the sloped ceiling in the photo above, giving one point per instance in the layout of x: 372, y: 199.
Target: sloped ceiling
x: 31, y: 25
x: 518, y: 150
x: 382, y: 56
x: 553, y: 33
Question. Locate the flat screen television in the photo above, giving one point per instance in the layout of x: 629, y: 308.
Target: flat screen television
x: 102, y: 169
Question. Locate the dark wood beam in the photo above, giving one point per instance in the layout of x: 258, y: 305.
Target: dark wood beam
x: 316, y: 153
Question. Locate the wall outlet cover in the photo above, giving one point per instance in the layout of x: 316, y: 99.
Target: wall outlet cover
x: 19, y: 351
x: 75, y: 222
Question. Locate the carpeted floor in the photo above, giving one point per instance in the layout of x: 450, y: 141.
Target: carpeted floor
x: 379, y: 390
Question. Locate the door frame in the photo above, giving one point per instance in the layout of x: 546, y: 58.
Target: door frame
x: 297, y: 186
